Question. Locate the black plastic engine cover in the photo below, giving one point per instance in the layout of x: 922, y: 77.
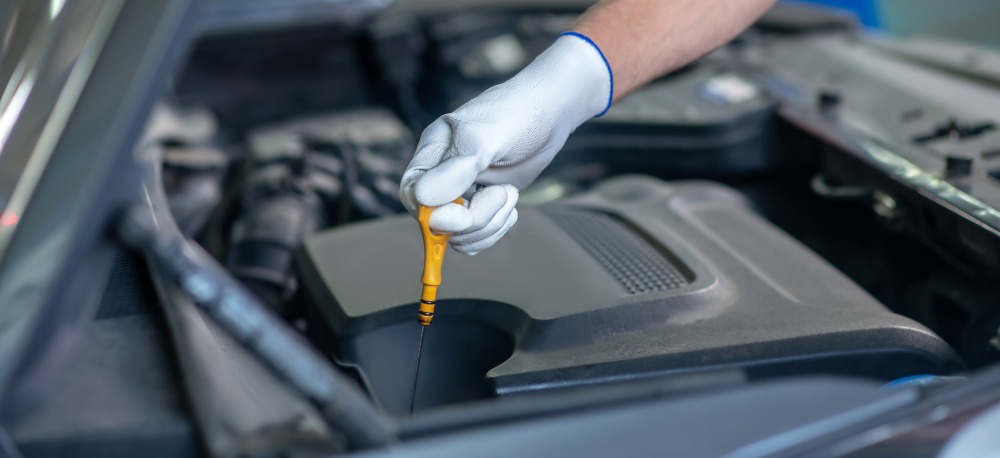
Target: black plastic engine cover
x: 637, y: 278
x: 708, y: 120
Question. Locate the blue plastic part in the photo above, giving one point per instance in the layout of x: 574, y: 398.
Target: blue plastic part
x: 921, y: 380
x: 867, y: 11
x: 611, y: 76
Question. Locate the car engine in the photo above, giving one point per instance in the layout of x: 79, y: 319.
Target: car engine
x: 806, y: 201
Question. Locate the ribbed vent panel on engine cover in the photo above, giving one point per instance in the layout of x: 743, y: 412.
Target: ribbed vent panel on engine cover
x: 632, y: 261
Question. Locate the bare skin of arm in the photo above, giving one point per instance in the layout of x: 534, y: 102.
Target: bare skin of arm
x: 643, y: 39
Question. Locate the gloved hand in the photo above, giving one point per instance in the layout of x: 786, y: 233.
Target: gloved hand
x: 498, y: 142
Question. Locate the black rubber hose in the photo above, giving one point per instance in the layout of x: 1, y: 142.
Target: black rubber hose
x: 150, y: 229
x: 253, y: 325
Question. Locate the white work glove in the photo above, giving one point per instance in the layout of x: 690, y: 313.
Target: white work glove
x: 501, y: 140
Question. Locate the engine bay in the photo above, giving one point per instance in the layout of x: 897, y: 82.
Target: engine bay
x: 804, y: 201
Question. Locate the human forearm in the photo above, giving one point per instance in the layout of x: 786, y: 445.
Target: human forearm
x: 643, y: 39
x: 497, y: 143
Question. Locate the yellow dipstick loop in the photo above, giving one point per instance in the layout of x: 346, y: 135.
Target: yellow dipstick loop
x: 434, y: 248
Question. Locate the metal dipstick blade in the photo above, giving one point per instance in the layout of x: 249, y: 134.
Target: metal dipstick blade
x: 416, y: 370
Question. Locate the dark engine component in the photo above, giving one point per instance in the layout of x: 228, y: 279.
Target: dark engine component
x: 898, y: 121
x: 707, y: 120
x: 637, y: 278
x: 287, y: 202
x: 193, y: 167
x: 309, y: 174
x: 192, y: 178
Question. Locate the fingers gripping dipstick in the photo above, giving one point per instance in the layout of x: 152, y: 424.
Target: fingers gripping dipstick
x: 434, y: 248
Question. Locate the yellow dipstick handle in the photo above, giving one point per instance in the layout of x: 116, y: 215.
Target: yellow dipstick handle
x: 434, y: 248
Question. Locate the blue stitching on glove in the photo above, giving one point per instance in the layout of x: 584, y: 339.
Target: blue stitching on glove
x: 611, y: 76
